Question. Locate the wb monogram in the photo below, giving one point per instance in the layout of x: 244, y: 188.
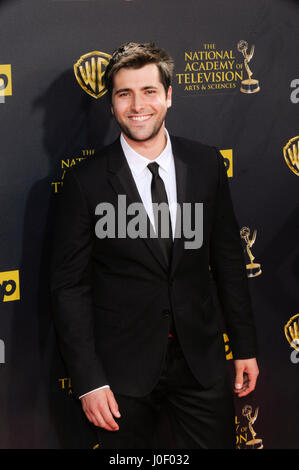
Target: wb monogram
x: 89, y: 71
x: 291, y: 154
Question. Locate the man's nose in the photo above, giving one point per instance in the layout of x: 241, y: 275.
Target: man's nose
x: 137, y: 103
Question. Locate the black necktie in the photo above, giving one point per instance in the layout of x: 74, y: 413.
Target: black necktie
x: 159, y: 195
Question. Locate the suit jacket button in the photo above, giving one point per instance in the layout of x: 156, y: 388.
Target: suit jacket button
x: 166, y: 313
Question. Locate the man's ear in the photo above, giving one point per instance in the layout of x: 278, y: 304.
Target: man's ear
x: 169, y: 97
x: 112, y: 110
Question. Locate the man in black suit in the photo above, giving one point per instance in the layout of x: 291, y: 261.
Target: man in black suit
x: 135, y: 315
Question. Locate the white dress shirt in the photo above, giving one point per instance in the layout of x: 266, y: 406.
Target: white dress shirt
x: 143, y: 178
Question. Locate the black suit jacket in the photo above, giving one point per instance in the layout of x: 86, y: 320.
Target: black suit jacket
x: 112, y: 297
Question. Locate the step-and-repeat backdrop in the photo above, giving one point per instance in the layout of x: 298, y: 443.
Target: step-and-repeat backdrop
x: 236, y: 86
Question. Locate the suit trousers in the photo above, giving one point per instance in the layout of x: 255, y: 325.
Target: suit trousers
x: 200, y: 418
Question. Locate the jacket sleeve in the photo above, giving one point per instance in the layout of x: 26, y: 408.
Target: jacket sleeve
x: 228, y: 268
x: 71, y: 288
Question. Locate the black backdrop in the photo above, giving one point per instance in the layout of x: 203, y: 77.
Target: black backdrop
x: 49, y: 122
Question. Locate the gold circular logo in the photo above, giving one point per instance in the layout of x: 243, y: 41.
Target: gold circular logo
x: 291, y: 331
x: 291, y: 154
x: 89, y: 71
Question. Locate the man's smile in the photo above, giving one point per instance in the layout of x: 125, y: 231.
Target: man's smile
x: 140, y: 118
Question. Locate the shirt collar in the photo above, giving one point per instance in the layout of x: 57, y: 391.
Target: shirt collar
x: 138, y: 163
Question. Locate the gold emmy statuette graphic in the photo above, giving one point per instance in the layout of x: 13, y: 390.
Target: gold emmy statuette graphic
x: 89, y: 71
x: 291, y: 331
x: 291, y: 154
x: 250, y: 85
x: 253, y: 443
x: 253, y: 269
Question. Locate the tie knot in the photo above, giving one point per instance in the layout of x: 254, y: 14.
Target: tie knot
x: 153, y: 168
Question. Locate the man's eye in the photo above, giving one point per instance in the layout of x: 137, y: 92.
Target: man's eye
x: 150, y: 92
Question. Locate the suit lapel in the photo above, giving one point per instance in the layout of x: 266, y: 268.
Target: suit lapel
x: 123, y: 182
x: 182, y: 177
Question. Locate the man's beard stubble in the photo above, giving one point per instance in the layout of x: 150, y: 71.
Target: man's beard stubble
x: 126, y: 131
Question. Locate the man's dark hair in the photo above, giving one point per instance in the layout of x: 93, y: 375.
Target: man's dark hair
x: 136, y: 55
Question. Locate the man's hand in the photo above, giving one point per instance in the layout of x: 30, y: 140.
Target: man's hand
x: 100, y: 406
x: 246, y: 375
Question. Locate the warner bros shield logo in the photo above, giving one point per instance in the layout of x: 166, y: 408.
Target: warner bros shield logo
x: 89, y: 71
